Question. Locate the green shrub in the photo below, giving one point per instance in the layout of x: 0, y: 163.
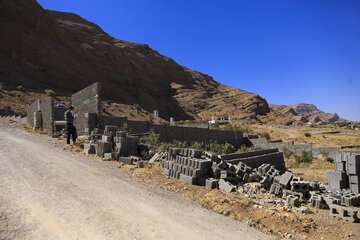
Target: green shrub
x: 242, y: 148
x: 265, y: 135
x: 287, y: 153
x: 324, y: 153
x: 305, y: 157
x: 307, y: 134
x: 50, y: 93
x: 228, y: 127
x: 153, y: 138
x: 125, y: 128
x: 20, y: 88
x: 214, y: 126
x: 228, y: 148
x: 198, y: 145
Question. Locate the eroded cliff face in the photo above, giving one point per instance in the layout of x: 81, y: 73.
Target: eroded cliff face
x: 43, y: 49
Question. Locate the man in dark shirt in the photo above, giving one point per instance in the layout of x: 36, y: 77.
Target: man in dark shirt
x: 70, y: 129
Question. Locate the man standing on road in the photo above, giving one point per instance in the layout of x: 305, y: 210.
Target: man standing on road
x: 70, y: 129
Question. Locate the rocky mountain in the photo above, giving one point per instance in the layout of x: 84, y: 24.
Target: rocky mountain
x: 305, y: 111
x: 42, y: 49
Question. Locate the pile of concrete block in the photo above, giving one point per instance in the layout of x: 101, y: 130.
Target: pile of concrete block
x: 215, y: 171
x: 111, y: 143
x: 346, y: 175
x: 186, y: 164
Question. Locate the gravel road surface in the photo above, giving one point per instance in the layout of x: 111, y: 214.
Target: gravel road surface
x: 48, y: 193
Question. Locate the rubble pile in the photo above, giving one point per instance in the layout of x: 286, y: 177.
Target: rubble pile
x: 211, y: 171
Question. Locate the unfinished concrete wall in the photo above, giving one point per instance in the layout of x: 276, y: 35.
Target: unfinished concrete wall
x: 138, y: 126
x: 113, y: 121
x: 86, y: 101
x: 47, y: 112
x: 32, y: 108
x: 59, y: 113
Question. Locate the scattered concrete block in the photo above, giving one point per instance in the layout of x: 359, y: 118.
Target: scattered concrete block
x: 303, y: 210
x: 350, y: 199
x: 211, y: 156
x: 292, y: 200
x: 275, y: 189
x: 222, y: 165
x: 345, y: 213
x: 226, y: 186
x: 265, y: 182
x: 285, y: 179
x: 211, y: 183
x: 126, y: 160
x: 108, y: 156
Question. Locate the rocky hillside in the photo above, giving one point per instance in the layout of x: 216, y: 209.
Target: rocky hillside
x: 305, y: 111
x: 42, y: 49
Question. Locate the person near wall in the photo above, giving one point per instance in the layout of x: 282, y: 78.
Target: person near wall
x: 69, y: 125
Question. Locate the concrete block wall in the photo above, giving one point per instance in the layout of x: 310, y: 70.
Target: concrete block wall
x: 47, y: 112
x: 274, y: 158
x: 32, y: 108
x: 88, y: 99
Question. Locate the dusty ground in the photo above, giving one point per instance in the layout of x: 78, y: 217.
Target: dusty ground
x: 51, y: 193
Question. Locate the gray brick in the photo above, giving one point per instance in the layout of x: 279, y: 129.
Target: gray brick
x: 345, y: 213
x: 125, y: 160
x: 188, y: 179
x: 226, y: 186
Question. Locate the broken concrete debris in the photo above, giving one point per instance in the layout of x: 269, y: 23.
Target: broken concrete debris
x: 213, y: 171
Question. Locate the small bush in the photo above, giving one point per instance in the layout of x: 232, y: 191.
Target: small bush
x: 50, y: 93
x: 228, y: 148
x: 307, y: 134
x: 214, y: 126
x: 20, y: 88
x: 125, y: 127
x: 305, y: 157
x: 242, y: 148
x: 324, y: 153
x: 287, y: 153
x: 153, y: 138
x: 265, y: 135
x: 228, y: 127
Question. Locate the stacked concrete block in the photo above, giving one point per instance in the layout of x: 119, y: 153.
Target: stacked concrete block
x: 103, y: 147
x: 226, y: 186
x: 337, y: 179
x: 181, y: 164
x: 89, y: 148
x: 346, y: 175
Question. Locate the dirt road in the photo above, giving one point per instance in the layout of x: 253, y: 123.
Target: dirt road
x: 48, y: 193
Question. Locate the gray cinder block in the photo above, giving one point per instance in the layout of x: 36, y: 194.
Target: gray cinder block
x: 337, y: 179
x: 353, y: 164
x: 226, y: 186
x: 211, y: 183
x: 125, y: 160
x: 292, y: 200
x: 188, y: 179
x: 285, y: 179
x: 345, y: 213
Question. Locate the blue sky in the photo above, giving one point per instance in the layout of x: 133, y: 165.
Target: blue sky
x: 287, y: 51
